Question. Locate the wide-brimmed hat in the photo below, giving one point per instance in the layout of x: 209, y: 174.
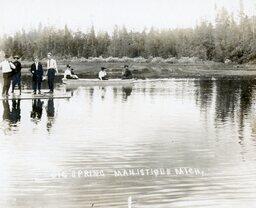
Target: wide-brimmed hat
x: 103, y: 68
x: 16, y: 56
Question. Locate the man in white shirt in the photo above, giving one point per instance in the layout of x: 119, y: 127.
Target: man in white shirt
x: 51, y: 71
x: 6, y: 67
x: 103, y: 74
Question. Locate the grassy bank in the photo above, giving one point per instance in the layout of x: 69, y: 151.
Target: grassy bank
x: 152, y: 68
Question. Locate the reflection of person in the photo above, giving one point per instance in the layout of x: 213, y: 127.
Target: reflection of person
x: 69, y: 73
x: 127, y: 91
x: 16, y: 76
x: 51, y: 71
x: 7, y: 68
x: 50, y: 108
x: 15, y: 113
x: 103, y: 74
x: 103, y: 92
x: 37, y: 109
x: 127, y: 74
x: 6, y: 107
x: 37, y: 75
x: 50, y: 111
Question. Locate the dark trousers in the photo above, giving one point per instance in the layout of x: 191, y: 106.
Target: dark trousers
x: 36, y: 83
x: 7, y: 82
x: 51, y: 77
x: 16, y: 80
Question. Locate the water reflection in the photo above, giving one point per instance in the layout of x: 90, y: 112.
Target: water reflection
x: 204, y: 93
x: 11, y: 115
x: 208, y: 124
x: 6, y: 110
x: 50, y: 110
x: 127, y: 91
x: 103, y: 92
x: 37, y: 110
x: 227, y: 97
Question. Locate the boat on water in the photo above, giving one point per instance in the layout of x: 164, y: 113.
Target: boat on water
x: 97, y: 82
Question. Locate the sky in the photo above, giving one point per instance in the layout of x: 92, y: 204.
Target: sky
x: 105, y: 14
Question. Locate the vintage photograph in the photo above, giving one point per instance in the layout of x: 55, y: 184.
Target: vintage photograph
x: 128, y: 104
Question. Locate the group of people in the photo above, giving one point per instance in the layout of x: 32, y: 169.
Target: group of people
x: 126, y: 74
x: 37, y: 72
x: 12, y: 74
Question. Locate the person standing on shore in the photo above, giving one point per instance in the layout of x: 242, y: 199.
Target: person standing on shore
x: 7, y: 68
x: 51, y: 71
x: 16, y: 76
x: 37, y: 75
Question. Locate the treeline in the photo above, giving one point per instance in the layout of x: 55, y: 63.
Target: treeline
x: 229, y: 37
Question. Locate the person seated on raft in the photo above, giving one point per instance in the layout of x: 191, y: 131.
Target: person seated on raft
x: 69, y: 73
x: 103, y: 74
x: 127, y: 74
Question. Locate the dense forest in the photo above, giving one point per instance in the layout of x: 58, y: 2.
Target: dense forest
x: 229, y: 37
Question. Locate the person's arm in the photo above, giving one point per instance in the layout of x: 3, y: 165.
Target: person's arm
x: 100, y: 76
x: 55, y: 65
x: 12, y: 65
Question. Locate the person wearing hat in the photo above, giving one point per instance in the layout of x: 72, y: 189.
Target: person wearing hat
x: 7, y: 68
x: 103, y: 74
x: 16, y: 74
x: 127, y: 74
x: 51, y: 71
x: 37, y: 72
x: 69, y: 73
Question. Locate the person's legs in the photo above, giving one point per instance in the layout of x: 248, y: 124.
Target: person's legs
x: 34, y: 83
x: 50, y: 83
x: 39, y: 83
x: 14, y: 82
x: 4, y: 84
x: 19, y: 82
x: 8, y: 82
x: 51, y: 76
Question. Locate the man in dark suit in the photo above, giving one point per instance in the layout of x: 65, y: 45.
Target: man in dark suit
x: 37, y: 75
x: 16, y: 74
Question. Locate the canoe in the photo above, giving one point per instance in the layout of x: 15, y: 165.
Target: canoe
x: 97, y: 82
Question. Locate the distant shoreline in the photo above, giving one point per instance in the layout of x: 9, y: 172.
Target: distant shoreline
x: 158, y: 68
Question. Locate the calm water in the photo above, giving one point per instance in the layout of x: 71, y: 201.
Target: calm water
x: 208, y: 125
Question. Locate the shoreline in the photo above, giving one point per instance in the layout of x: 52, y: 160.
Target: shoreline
x: 156, y: 70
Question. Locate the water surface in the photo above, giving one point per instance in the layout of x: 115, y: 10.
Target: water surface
x: 205, y: 124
